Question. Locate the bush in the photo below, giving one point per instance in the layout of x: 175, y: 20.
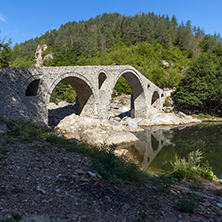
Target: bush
x: 190, y: 167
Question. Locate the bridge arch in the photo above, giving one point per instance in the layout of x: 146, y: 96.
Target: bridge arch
x: 85, y: 104
x: 138, y: 97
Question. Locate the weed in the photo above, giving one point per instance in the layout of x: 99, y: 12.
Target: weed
x: 81, y: 134
x: 59, y: 181
x: 218, y: 213
x: 62, y: 161
x: 15, y: 217
x: 141, y: 215
x: 105, y: 162
x: 190, y: 167
x: 4, y: 151
x: 165, y: 104
x: 52, y: 138
x: 108, y: 165
x: 164, y: 181
x: 4, y: 164
x: 205, y: 116
x: 187, y: 203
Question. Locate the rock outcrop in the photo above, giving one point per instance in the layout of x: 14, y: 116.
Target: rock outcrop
x: 94, y: 131
x: 38, y: 55
x: 117, y: 130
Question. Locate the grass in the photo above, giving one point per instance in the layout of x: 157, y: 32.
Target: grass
x: 13, y: 218
x: 113, y: 168
x: 187, y: 203
x: 105, y: 162
x: 109, y: 166
x: 206, y: 116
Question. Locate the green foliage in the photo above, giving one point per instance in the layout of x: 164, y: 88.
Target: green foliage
x: 187, y: 202
x: 190, y: 167
x: 164, y: 180
x: 54, y: 139
x: 63, y: 91
x: 192, y: 161
x: 122, y: 86
x: 15, y: 217
x: 142, y: 41
x: 109, y: 166
x: 202, y: 87
x: 204, y: 116
x: 5, y: 53
x: 105, y: 162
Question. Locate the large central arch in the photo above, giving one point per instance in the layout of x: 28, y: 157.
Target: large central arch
x: 83, y: 88
x: 138, y: 99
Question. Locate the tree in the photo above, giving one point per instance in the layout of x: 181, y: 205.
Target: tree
x: 201, y: 88
x: 5, y: 53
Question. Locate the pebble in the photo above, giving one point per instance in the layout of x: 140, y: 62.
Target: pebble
x: 42, y: 191
x: 219, y: 205
x: 91, y: 174
x: 79, y: 171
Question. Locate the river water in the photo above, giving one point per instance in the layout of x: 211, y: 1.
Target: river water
x: 158, y: 145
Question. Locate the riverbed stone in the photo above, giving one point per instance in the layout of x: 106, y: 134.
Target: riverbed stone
x: 121, y: 138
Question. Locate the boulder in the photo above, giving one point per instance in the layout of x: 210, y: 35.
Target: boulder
x: 121, y: 138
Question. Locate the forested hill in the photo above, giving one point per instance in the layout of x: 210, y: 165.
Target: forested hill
x: 157, y: 46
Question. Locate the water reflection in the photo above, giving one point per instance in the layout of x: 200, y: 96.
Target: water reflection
x: 159, y: 145
x: 152, y: 140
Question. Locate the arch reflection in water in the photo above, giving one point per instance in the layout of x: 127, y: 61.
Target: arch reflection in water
x: 150, y: 144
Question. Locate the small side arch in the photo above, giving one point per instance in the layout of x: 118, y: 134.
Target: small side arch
x: 102, y: 77
x: 155, y: 98
x: 31, y: 85
x: 32, y: 89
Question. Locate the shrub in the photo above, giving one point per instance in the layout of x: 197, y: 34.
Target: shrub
x: 190, y: 167
x: 187, y: 203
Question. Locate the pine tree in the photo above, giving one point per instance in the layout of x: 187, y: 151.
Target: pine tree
x: 5, y: 53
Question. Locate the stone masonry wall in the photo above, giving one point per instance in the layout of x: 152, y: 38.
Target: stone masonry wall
x: 25, y: 92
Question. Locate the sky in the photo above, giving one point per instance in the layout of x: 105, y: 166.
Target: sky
x: 22, y: 20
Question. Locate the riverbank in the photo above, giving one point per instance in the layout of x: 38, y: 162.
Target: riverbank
x: 45, y: 178
x: 117, y: 130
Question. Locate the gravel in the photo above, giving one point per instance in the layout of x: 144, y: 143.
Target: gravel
x: 43, y: 182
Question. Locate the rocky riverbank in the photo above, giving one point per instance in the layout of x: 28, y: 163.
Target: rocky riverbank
x: 117, y: 130
x: 43, y: 181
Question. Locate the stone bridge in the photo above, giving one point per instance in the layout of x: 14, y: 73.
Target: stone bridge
x: 25, y: 92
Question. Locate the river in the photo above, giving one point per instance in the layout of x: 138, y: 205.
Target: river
x: 159, y: 145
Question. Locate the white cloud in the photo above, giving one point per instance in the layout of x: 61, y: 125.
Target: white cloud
x: 2, y: 18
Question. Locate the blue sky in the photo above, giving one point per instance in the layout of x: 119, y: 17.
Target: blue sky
x: 21, y: 20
